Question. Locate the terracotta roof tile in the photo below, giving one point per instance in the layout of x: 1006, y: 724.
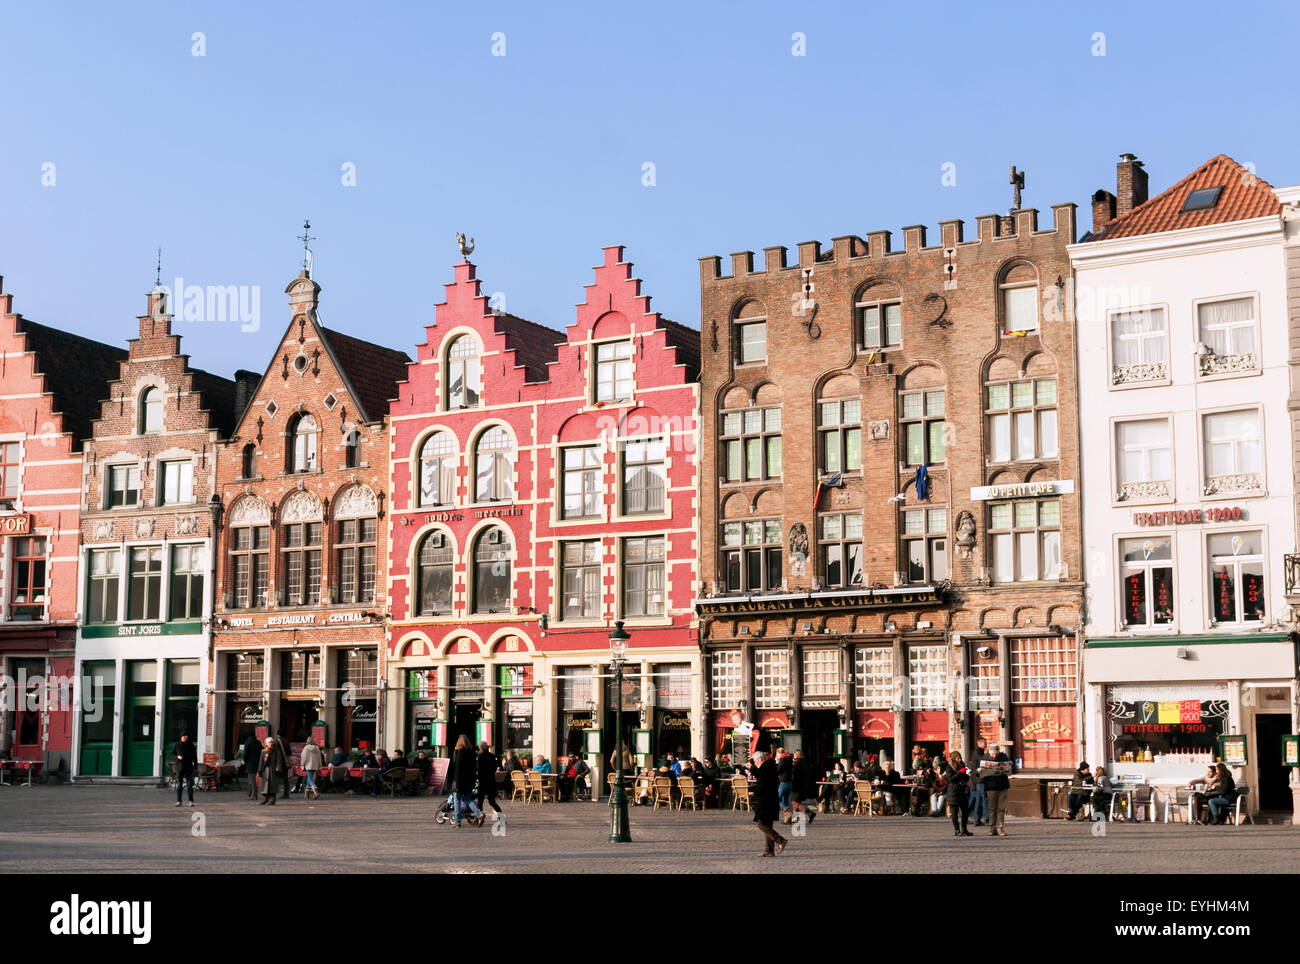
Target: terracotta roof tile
x: 1244, y: 196
x: 373, y: 371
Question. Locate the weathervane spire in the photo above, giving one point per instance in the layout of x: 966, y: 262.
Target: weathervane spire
x: 157, y: 283
x: 307, y: 259
x: 466, y: 247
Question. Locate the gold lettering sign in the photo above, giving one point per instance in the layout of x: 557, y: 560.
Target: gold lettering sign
x: 865, y: 600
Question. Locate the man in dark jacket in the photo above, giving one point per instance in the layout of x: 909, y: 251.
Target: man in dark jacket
x: 487, y: 777
x: 270, y: 766
x: 993, y: 765
x: 764, y: 801
x: 252, y: 753
x: 803, y: 784
x: 186, y: 762
x: 784, y: 779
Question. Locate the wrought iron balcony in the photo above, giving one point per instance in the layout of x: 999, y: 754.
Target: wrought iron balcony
x: 1291, y: 573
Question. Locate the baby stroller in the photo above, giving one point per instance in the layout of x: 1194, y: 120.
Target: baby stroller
x: 444, y: 812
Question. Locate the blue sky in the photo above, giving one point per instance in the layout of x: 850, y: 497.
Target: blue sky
x: 538, y: 154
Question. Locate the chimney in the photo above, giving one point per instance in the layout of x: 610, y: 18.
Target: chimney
x: 245, y: 385
x: 1103, y: 210
x: 1130, y: 184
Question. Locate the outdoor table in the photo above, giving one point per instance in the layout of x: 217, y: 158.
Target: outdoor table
x: 31, y: 766
x: 1128, y: 790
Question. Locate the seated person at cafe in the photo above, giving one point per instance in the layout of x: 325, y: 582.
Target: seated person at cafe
x: 888, y: 780
x: 830, y: 788
x: 542, y: 765
x: 339, y: 758
x: 397, y: 761
x: 1105, y: 789
x: 376, y: 780
x: 939, y: 789
x: 919, y: 796
x: 1198, y: 785
x: 580, y: 771
x: 674, y: 766
x: 424, y: 763
x: 1078, y: 796
x: 511, y: 762
x: 367, y: 759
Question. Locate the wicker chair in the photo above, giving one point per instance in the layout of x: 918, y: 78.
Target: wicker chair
x: 537, y: 787
x: 663, y: 792
x: 518, y: 786
x: 686, y: 793
x: 739, y: 793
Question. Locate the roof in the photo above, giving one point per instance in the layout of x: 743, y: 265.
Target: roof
x: 217, y: 397
x: 371, y: 370
x: 535, y: 346
x: 1245, y: 195
x: 77, y: 372
x: 687, y: 342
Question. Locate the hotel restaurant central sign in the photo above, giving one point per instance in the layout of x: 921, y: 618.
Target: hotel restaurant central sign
x: 867, y: 599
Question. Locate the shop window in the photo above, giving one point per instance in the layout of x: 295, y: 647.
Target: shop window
x: 98, y: 696
x: 927, y: 678
x: 176, y: 482
x: 771, y: 679
x: 1139, y: 346
x: 1175, y: 724
x: 1234, y: 458
x: 1044, y: 670
x: 123, y: 486
x: 301, y: 450
x: 643, y: 577
x: 751, y: 341
x: 151, y: 411
x: 922, y: 427
x: 189, y: 569
x: 841, y: 435
x: 925, y: 545
x: 27, y: 597
x: 10, y: 454
x: 145, y: 596
x: 1022, y: 423
x: 726, y: 679
x: 1026, y: 540
x: 882, y: 324
x: 1229, y: 331
x: 359, y: 670
x: 494, y: 466
x: 1144, y: 457
x: 435, y: 575
x: 105, y: 582
x: 248, y: 676
x: 1147, y: 582
x: 821, y: 673
x: 438, y: 470
x: 751, y: 555
x: 250, y: 560
x: 645, y: 476
x: 355, y: 555
x: 492, y: 571
x: 873, y: 677
x: 1237, y: 577
x: 613, y: 361
x: 464, y: 375
x: 300, y: 670
x: 840, y: 538
x: 300, y: 563
x: 1019, y: 306
x: 583, y: 495
x: 580, y: 579
x: 751, y: 444
x: 673, y: 686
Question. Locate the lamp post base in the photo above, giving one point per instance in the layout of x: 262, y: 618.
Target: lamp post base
x: 619, y: 832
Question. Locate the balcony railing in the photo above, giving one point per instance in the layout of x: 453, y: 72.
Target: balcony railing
x: 1291, y: 573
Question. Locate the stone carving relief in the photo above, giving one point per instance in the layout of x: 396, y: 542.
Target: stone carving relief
x: 798, y: 548
x: 103, y: 531
x: 1129, y: 491
x: 250, y: 511
x: 356, y: 502
x: 1223, y: 364
x: 144, y: 528
x: 301, y: 506
x: 187, y: 525
x: 1230, y: 484
x: 965, y: 534
x: 1142, y: 372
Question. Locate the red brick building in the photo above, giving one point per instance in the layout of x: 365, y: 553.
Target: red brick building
x: 908, y: 569
x: 50, y: 386
x: 301, y: 567
x: 147, y: 539
x: 543, y: 487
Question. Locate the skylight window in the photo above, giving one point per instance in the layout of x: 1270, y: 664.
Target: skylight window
x: 1203, y: 198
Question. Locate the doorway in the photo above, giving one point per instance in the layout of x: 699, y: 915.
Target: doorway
x: 1274, y: 791
x: 141, y: 708
x: 465, y: 717
x: 27, y: 709
x: 819, y: 728
x: 296, y: 718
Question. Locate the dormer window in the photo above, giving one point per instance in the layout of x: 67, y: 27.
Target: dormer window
x: 1202, y: 199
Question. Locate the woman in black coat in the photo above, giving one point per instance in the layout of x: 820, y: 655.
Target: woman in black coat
x: 763, y: 800
x: 270, y: 766
x: 252, y: 753
x: 486, y: 766
x: 958, y: 796
x: 464, y: 772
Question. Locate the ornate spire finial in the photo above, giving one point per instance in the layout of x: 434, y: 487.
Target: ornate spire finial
x: 307, y: 259
x: 466, y: 248
x: 1017, y: 185
x: 157, y: 283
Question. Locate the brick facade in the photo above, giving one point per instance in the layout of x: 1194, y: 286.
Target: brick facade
x: 943, y: 316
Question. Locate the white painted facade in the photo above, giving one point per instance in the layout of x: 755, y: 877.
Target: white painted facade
x: 1175, y: 481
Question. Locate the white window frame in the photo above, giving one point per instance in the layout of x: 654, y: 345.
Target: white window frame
x: 873, y: 677
x: 927, y: 678
x: 726, y: 678
x: 1146, y: 365
x: 1220, y: 492
x: 771, y: 679
x: 741, y: 325
x: 1146, y: 490
x: 600, y: 365
x: 1145, y: 567
x: 1236, y: 562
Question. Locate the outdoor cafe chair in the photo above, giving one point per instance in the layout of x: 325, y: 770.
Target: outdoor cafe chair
x: 686, y: 793
x: 663, y: 792
x: 1242, y: 793
x: 339, y: 778
x: 205, y: 776
x: 395, y: 781
x: 519, y: 786
x: 862, y: 799
x: 537, y: 787
x: 739, y: 793
x: 413, y: 785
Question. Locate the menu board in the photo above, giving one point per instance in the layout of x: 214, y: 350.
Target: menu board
x: 740, y: 742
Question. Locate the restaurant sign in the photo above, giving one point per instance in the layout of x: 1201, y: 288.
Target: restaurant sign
x: 868, y: 599
x: 1178, y: 517
x: 1022, y: 490
x: 15, y: 525
x: 1047, y: 728
x: 348, y: 618
x: 876, y: 724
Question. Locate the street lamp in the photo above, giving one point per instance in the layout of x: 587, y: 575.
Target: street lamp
x: 618, y: 826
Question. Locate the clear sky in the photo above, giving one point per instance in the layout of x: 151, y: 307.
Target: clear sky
x: 539, y: 154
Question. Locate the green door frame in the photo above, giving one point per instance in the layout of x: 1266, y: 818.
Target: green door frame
x: 97, y: 756
x: 138, y: 755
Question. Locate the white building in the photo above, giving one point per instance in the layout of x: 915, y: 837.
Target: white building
x: 1188, y: 492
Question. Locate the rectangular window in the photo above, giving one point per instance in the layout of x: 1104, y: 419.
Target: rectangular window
x: 1020, y: 308
x: 250, y: 561
x: 123, y: 485
x: 873, y: 677
x: 925, y: 545
x: 28, y: 596
x: 9, y: 457
x: 771, y: 679
x: 301, y: 565
x: 177, y: 483
x: 614, y: 371
x: 645, y: 476
x: 1022, y: 420
x: 300, y: 670
x: 1147, y: 582
x: 751, y: 555
x: 145, y: 596
x: 882, y: 325
x: 105, y: 579
x: 643, y: 576
x: 583, y: 490
x: 189, y: 569
x: 841, y: 550
x: 841, y: 435
x: 580, y: 579
x: 1143, y: 451
x: 1044, y: 670
x: 1237, y: 577
x: 1228, y: 330
x: 1233, y: 450
x: 726, y: 683
x: 922, y: 427
x: 1139, y: 346
x: 751, y: 444
x: 1026, y: 540
x: 821, y: 673
x: 752, y: 337
x: 355, y: 554
x: 927, y: 677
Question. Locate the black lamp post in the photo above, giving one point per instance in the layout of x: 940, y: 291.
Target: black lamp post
x: 618, y: 826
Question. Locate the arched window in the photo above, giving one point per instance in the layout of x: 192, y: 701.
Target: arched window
x: 464, y: 376
x: 494, y: 466
x: 248, y: 462
x: 435, y: 575
x: 492, y: 571
x: 151, y: 411
x: 438, y: 470
x: 302, y: 444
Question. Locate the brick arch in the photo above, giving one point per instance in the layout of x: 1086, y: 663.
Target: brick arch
x: 1018, y: 271
x: 733, y: 507
x: 768, y: 502
x: 1001, y: 368
x: 735, y: 397
x: 1039, y: 363
x: 640, y: 422
x: 767, y: 393
x: 1041, y: 474
x: 994, y: 617
x: 412, y: 645
x: 877, y: 289
x: 839, y: 385
x: 924, y: 375
x: 497, y: 639
x: 443, y: 648
x: 748, y: 308
x: 1024, y: 617
x: 611, y: 325
x: 1063, y: 616
x: 579, y: 427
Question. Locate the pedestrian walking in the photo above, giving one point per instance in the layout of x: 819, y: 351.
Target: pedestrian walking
x: 994, y: 765
x: 767, y: 810
x: 466, y: 771
x: 487, y: 777
x: 252, y: 753
x: 311, y: 763
x: 270, y: 766
x: 286, y: 755
x: 979, y: 801
x: 784, y: 780
x: 958, y: 794
x: 187, y: 761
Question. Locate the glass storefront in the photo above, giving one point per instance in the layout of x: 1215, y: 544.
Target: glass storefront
x: 1171, y: 725
x: 575, y: 708
x: 421, y: 708
x: 515, y: 710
